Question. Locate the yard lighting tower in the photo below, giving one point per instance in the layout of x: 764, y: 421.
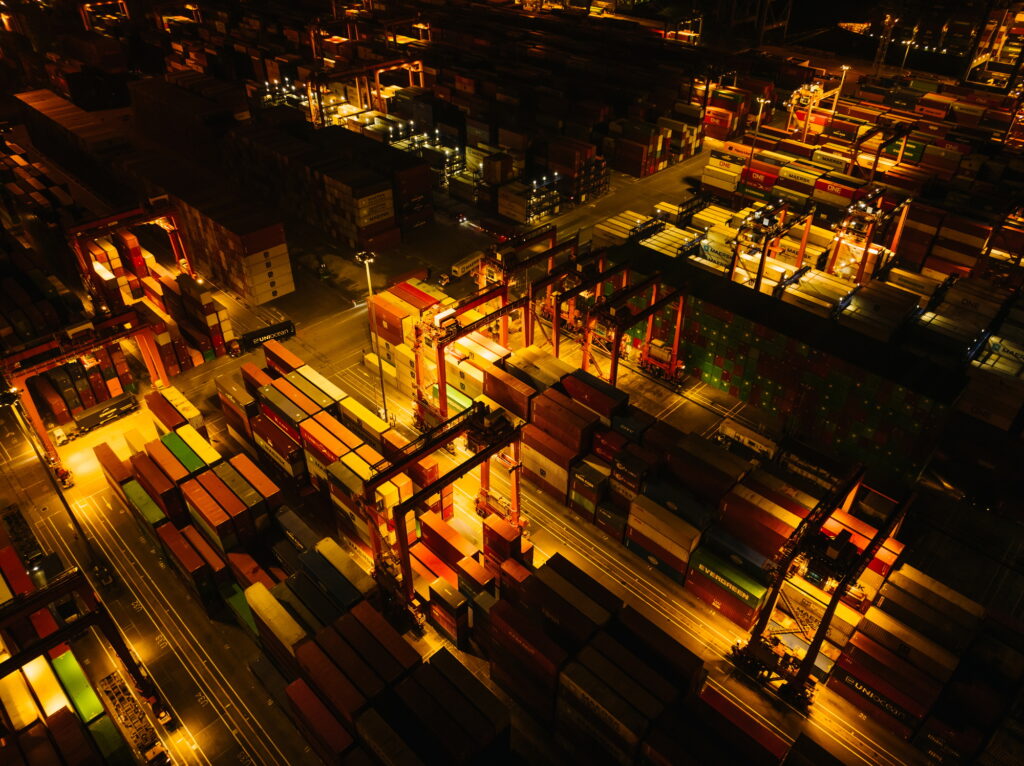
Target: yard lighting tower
x: 366, y: 257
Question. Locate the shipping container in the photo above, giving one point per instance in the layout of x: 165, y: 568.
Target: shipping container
x: 322, y: 729
x: 77, y: 686
x: 350, y: 663
x: 257, y: 480
x: 183, y: 453
x: 280, y: 358
x: 335, y: 394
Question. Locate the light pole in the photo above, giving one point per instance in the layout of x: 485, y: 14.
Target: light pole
x: 842, y: 82
x: 906, y: 50
x: 366, y: 257
x: 760, y: 110
x: 99, y: 565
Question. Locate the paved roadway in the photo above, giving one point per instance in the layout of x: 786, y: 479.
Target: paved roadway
x: 335, y: 346
x: 201, y: 664
x: 198, y: 662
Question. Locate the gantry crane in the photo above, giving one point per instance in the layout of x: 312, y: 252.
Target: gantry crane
x: 614, y: 313
x: 593, y: 282
x: 778, y: 568
x: 161, y: 214
x: 17, y: 368
x: 489, y: 432
x: 798, y: 687
x: 866, y: 221
x: 761, y: 230
x: 74, y: 582
x: 899, y: 132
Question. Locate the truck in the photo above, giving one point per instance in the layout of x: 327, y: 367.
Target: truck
x: 107, y: 412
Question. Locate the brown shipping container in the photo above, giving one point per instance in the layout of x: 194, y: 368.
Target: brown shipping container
x: 604, y: 399
x: 241, y: 518
x: 350, y: 663
x: 501, y: 539
x: 113, y: 467
x: 323, y: 729
x: 260, y: 481
x: 166, y: 461
x: 218, y: 566
x: 369, y: 648
x: 71, y: 738
x: 158, y: 487
x: 403, y: 652
x: 549, y: 446
x: 507, y: 390
x: 169, y: 418
x: 332, y: 685
x: 254, y: 378
x: 518, y: 634
x: 444, y: 540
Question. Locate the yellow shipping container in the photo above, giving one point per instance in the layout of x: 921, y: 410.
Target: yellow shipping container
x: 45, y: 685
x: 272, y: 614
x: 16, y: 699
x: 203, y: 449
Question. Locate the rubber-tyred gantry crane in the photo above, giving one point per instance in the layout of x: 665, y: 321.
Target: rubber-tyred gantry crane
x: 72, y: 582
x: 841, y: 496
x: 798, y: 688
x: 16, y: 369
x: 491, y: 432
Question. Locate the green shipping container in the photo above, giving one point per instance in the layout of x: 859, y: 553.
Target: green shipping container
x: 77, y: 687
x: 183, y: 453
x: 729, y: 576
x: 235, y: 599
x: 143, y: 503
x: 113, y: 749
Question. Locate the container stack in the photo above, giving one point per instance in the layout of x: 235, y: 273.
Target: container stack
x: 529, y: 203
x: 636, y: 148
x: 74, y: 387
x: 906, y: 650
x: 51, y: 707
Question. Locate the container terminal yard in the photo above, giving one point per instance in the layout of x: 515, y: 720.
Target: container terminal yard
x: 511, y: 383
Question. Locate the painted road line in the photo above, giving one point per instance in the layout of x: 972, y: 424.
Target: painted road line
x: 207, y: 668
x: 193, y: 750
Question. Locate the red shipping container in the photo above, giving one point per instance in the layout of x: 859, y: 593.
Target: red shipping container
x: 328, y: 737
x: 594, y: 393
x: 330, y: 683
x: 444, y: 540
